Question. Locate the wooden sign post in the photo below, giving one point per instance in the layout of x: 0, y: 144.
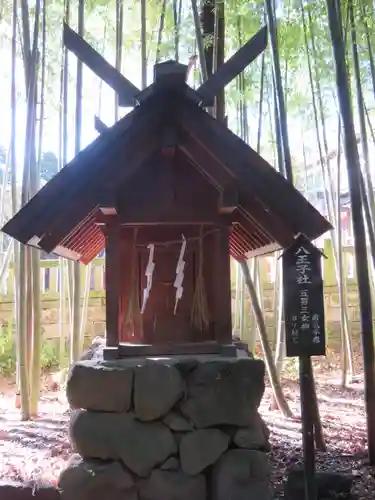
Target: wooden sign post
x: 305, y: 334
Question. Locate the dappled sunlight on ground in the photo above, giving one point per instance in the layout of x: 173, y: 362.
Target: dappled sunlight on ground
x: 38, y: 450
x: 343, y: 418
x: 35, y: 450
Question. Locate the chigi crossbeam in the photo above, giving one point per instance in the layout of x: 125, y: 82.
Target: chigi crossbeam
x: 129, y: 93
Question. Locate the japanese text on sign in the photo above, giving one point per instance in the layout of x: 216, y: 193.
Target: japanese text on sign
x: 303, y: 306
x: 295, y: 330
x: 303, y: 277
x: 315, y: 320
x: 303, y: 266
x: 304, y: 309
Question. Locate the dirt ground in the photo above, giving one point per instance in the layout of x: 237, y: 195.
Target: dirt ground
x: 343, y: 418
x: 37, y: 451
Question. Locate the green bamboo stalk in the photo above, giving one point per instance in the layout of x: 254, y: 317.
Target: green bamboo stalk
x: 86, y: 297
x: 369, y: 45
x: 241, y: 304
x: 29, y: 313
x: 62, y: 313
x: 6, y: 262
x: 200, y: 41
x: 340, y: 263
x: 4, y: 187
x: 75, y: 345
x: 143, y: 44
x: 236, y: 316
x: 119, y: 30
x: 62, y: 159
x: 36, y: 346
x: 252, y: 329
x: 354, y: 176
x: 160, y: 31
x: 22, y: 338
x: 268, y: 359
x: 280, y: 328
x: 13, y: 181
x: 361, y: 114
x: 70, y: 287
x: 329, y: 188
x: 25, y: 299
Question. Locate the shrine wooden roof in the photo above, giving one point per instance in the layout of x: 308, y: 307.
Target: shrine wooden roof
x: 270, y: 212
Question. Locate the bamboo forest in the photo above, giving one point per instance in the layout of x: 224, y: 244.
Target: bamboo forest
x: 276, y: 113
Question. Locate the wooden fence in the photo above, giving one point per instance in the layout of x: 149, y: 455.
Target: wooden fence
x: 95, y: 324
x: 50, y: 275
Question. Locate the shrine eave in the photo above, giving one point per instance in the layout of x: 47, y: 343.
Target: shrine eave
x: 269, y: 211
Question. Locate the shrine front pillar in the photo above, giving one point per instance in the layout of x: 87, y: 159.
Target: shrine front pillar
x: 112, y: 283
x: 222, y: 287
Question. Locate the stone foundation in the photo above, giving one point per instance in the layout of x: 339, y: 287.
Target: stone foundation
x: 178, y: 428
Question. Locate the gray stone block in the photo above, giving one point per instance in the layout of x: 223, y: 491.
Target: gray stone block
x: 157, y: 388
x: 191, y: 396
x: 253, y: 437
x: 92, y: 385
x: 201, y: 448
x: 14, y: 490
x: 171, y: 463
x: 119, y: 436
x: 94, y: 480
x: 166, y: 485
x: 224, y: 392
x: 177, y: 422
x: 241, y: 475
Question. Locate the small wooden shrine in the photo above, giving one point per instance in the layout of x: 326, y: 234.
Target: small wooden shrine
x: 170, y: 193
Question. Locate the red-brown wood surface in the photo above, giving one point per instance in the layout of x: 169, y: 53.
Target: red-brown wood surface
x: 160, y: 324
x: 112, y: 283
x: 131, y: 326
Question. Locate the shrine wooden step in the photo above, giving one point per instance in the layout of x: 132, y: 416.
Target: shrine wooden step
x: 169, y: 349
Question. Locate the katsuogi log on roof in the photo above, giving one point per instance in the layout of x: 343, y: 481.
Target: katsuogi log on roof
x: 168, y: 134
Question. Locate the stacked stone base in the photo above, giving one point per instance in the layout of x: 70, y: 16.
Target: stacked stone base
x: 167, y: 429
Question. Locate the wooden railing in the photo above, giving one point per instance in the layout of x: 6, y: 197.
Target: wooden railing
x: 50, y: 272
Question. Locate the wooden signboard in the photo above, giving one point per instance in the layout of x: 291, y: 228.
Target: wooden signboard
x: 303, y: 299
x: 305, y: 335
